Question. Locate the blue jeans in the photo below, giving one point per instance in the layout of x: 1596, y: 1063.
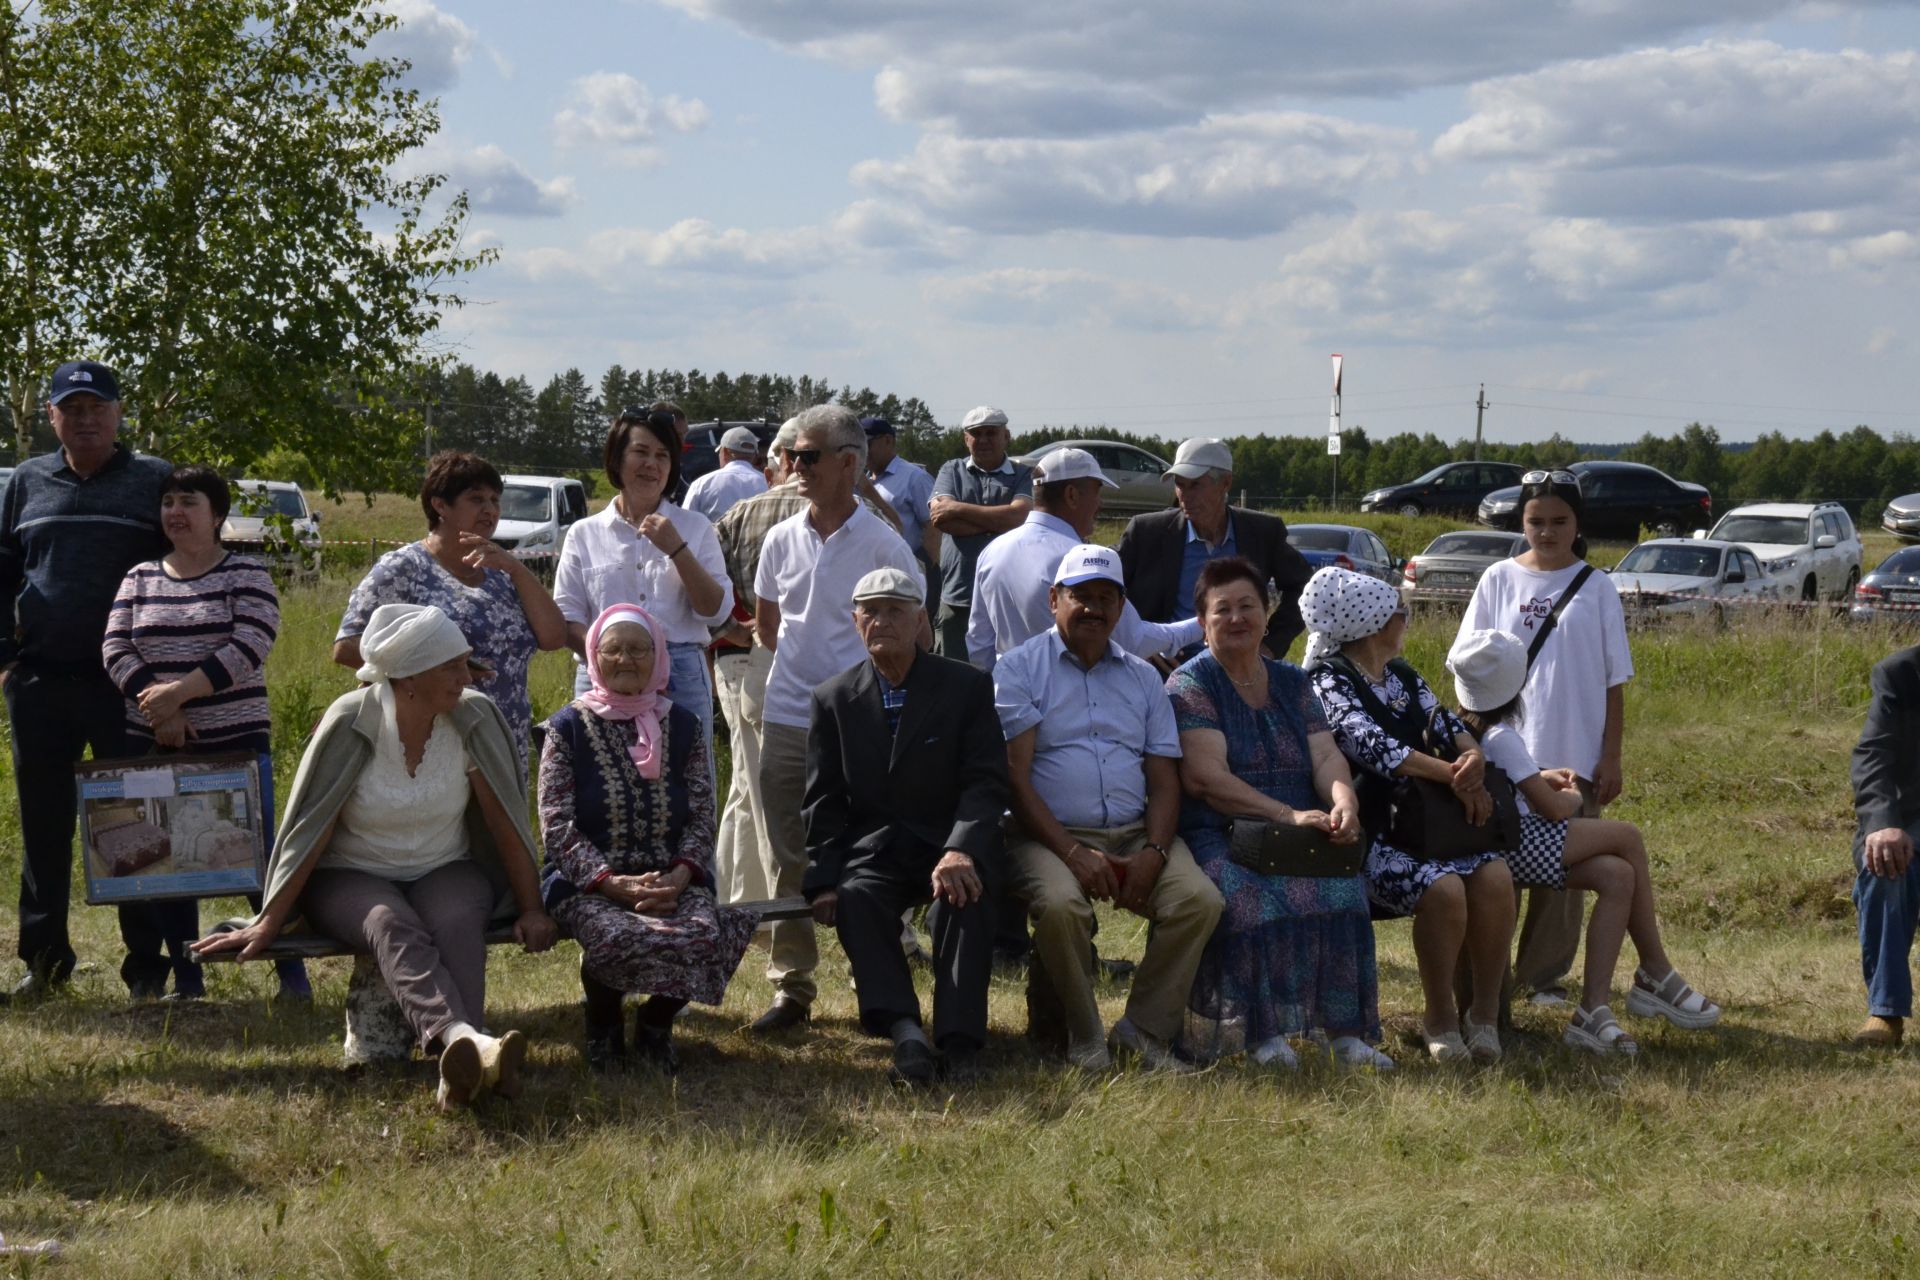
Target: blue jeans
x: 1888, y: 909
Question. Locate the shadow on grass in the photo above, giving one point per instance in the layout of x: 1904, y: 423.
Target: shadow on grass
x: 92, y: 1147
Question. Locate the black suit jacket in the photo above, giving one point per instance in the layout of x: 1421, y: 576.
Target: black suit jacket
x: 1154, y: 545
x: 1886, y: 763
x: 939, y: 783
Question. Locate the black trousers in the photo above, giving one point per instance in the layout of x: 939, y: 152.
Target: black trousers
x: 57, y: 716
x: 874, y: 891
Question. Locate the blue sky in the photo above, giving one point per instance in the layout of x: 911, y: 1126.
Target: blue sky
x: 1165, y: 218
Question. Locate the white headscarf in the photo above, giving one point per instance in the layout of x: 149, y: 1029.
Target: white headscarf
x: 403, y: 640
x: 1340, y: 606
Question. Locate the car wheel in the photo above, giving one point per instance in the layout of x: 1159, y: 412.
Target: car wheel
x: 1409, y: 508
x: 1666, y: 529
x: 1810, y: 590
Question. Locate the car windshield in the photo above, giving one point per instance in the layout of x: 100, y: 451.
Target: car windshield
x: 1471, y: 544
x: 524, y: 502
x: 1319, y: 539
x: 1788, y: 530
x: 270, y: 502
x: 1432, y: 475
x: 1686, y: 562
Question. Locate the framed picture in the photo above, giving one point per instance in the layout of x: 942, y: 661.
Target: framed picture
x: 171, y: 827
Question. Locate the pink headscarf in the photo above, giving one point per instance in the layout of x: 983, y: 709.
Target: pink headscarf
x: 647, y: 708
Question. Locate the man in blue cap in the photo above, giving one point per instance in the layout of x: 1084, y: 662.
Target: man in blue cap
x: 907, y: 488
x: 72, y: 523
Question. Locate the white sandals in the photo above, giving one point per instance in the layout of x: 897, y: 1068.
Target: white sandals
x: 1595, y: 1031
x: 1670, y: 998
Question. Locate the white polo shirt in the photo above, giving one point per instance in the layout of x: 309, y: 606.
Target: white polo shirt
x: 605, y: 562
x: 811, y: 579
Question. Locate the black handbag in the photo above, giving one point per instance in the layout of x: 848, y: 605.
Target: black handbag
x: 1418, y: 816
x: 1283, y: 849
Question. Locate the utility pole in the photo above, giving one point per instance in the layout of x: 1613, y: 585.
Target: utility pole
x: 428, y: 414
x: 1479, y: 420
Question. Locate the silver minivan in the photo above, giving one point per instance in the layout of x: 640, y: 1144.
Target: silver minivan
x: 535, y: 514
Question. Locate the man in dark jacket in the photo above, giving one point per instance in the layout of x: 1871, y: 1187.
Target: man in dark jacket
x: 71, y: 524
x: 906, y: 788
x: 1886, y: 888
x: 1162, y: 552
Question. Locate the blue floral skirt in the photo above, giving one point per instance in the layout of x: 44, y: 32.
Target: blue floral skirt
x: 1397, y: 880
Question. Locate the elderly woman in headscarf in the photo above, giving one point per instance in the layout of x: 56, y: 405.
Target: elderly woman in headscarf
x: 626, y: 809
x: 1390, y: 726
x: 405, y: 836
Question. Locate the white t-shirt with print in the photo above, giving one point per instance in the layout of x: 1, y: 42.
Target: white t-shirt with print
x: 1565, y: 697
x: 1504, y: 749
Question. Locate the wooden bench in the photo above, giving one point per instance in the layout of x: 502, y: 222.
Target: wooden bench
x: 376, y: 1030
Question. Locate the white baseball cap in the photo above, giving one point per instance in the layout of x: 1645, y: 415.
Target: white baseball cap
x: 1085, y: 563
x: 740, y: 440
x: 1489, y: 669
x: 1069, y: 464
x: 1197, y: 457
x: 984, y: 416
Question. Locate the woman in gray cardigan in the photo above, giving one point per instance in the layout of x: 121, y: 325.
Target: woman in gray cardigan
x: 405, y: 835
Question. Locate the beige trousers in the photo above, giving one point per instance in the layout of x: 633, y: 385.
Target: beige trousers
x: 783, y: 785
x: 740, y: 857
x: 1184, y: 907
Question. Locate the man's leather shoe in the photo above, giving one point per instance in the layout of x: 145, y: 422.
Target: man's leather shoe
x: 36, y: 986
x: 913, y: 1062
x: 1880, y: 1033
x: 782, y: 1015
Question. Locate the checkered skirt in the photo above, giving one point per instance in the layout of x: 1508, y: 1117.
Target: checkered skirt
x: 1540, y: 862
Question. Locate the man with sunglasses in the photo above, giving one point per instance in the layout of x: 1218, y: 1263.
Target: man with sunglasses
x: 975, y: 499
x: 803, y: 613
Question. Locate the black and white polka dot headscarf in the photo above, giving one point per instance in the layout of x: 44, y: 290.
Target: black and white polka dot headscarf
x: 1340, y: 606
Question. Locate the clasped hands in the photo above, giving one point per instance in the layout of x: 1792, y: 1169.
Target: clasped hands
x: 164, y: 706
x: 651, y: 893
x: 1127, y: 882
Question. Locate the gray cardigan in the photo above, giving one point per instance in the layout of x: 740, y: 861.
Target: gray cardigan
x: 341, y: 748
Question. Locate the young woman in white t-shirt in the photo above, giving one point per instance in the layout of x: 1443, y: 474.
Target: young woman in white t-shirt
x: 1560, y: 850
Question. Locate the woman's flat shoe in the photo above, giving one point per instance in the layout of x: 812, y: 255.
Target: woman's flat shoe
x: 501, y: 1060
x: 1352, y: 1052
x: 1671, y: 998
x: 1446, y: 1047
x: 461, y: 1073
x: 1482, y: 1042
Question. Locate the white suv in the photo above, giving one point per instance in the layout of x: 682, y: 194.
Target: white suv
x: 1811, y: 548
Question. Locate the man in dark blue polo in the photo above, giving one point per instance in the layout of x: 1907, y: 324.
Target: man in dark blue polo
x: 72, y: 523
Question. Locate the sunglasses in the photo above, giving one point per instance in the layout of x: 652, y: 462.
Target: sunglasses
x: 1551, y: 477
x: 811, y: 457
x: 640, y: 413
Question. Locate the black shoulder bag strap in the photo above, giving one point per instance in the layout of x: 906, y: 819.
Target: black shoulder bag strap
x: 1407, y: 727
x: 1553, y: 616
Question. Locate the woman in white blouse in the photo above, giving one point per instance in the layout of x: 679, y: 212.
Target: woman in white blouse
x: 643, y: 549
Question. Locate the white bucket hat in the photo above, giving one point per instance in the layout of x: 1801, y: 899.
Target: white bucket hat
x: 1489, y: 669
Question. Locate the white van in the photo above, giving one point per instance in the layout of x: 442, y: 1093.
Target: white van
x: 252, y: 525
x: 535, y: 514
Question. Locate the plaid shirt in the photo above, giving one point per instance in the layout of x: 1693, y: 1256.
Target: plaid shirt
x: 743, y: 530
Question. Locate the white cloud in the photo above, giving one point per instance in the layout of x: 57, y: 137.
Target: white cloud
x: 1045, y: 297
x: 612, y: 111
x: 1874, y: 252
x: 1228, y: 176
x: 1881, y: 341
x: 436, y: 43
x: 497, y: 183
x: 1016, y: 68
x: 1720, y: 130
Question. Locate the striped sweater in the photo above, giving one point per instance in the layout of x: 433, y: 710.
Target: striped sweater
x: 223, y: 622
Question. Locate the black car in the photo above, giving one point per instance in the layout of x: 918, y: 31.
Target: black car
x: 700, y: 451
x: 1621, y: 498
x: 1452, y: 487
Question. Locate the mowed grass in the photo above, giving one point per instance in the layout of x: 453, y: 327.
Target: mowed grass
x: 223, y: 1139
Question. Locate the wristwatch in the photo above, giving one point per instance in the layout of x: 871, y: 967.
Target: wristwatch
x: 1159, y: 849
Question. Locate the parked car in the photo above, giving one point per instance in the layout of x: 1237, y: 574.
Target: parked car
x: 535, y: 514
x: 1141, y: 476
x: 700, y: 451
x: 1891, y: 593
x: 1811, y: 546
x: 1450, y: 568
x: 1690, y: 578
x: 1621, y: 498
x: 1346, y: 547
x: 263, y: 513
x: 1902, y: 517
x: 1452, y: 488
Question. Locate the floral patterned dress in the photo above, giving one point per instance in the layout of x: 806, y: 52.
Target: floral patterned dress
x: 1395, y: 878
x: 598, y: 814
x: 1291, y: 954
x: 490, y: 616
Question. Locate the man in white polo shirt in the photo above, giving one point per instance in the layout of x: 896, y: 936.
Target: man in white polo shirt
x: 738, y: 475
x: 803, y: 612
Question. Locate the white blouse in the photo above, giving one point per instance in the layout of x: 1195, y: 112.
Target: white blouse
x: 400, y: 827
x: 606, y: 562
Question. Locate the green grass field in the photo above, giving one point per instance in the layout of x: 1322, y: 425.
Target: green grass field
x: 223, y: 1139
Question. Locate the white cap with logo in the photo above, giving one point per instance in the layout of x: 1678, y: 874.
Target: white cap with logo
x: 1085, y: 563
x: 1069, y: 464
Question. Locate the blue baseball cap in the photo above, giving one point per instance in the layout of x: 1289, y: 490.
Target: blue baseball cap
x: 87, y: 376
x: 876, y: 426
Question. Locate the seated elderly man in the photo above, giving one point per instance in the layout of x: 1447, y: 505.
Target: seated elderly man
x: 1886, y: 887
x: 1092, y: 759
x: 906, y: 789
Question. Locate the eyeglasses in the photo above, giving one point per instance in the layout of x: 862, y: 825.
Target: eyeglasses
x: 1551, y: 477
x: 811, y: 457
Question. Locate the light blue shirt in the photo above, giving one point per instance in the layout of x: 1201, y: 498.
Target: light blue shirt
x: 1096, y: 727
x: 1194, y: 559
x: 716, y: 491
x: 1010, y: 604
x: 906, y: 486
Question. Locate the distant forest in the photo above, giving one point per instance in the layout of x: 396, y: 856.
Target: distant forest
x: 560, y: 427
